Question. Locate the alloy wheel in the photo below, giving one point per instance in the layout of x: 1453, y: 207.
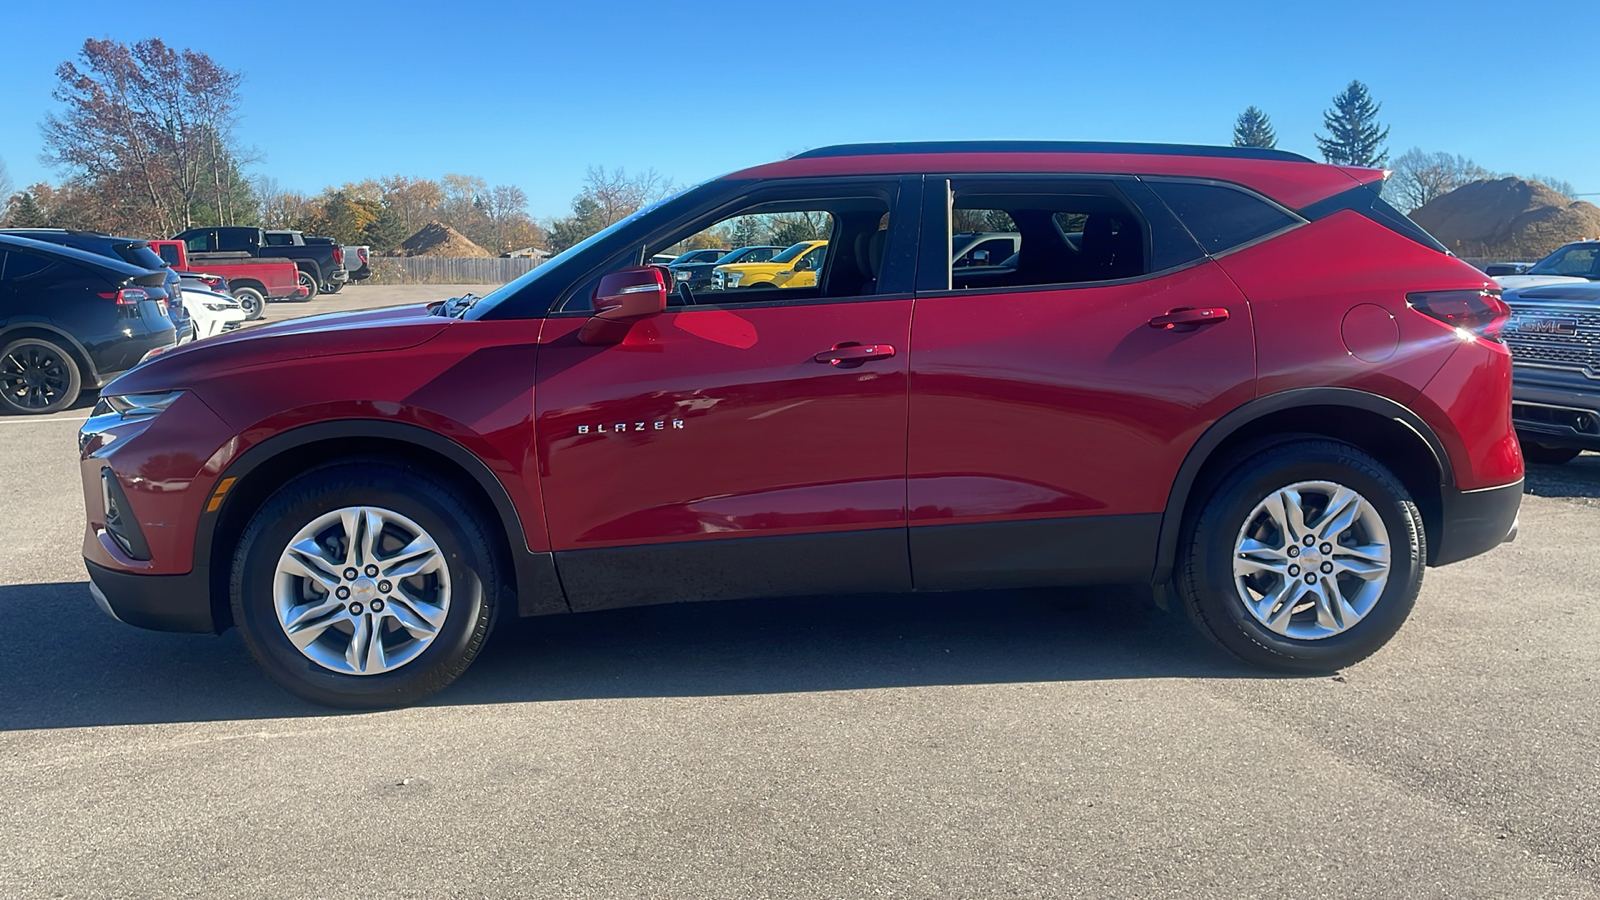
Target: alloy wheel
x: 1311, y: 560
x: 34, y: 375
x: 362, y: 590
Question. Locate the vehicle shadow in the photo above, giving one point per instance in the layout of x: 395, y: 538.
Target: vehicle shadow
x: 65, y: 664
x: 1578, y: 478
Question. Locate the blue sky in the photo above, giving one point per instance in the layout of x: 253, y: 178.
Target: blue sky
x: 532, y: 93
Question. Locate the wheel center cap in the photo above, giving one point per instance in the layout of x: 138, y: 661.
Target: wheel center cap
x: 363, y: 588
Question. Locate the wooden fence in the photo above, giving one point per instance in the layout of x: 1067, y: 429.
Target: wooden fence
x: 447, y: 270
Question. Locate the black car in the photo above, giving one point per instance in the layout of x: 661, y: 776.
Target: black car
x: 70, y: 320
x: 697, y: 272
x: 130, y: 250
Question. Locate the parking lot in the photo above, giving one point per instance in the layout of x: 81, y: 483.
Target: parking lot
x: 1031, y: 744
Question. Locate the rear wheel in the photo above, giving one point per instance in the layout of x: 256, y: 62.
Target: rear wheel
x: 365, y: 585
x: 251, y: 300
x: 309, y: 282
x: 1545, y: 454
x: 1306, y: 557
x: 333, y: 288
x: 37, y: 376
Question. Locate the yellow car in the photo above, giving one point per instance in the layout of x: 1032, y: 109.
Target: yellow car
x: 795, y: 267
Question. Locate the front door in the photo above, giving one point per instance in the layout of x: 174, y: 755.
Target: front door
x: 749, y: 444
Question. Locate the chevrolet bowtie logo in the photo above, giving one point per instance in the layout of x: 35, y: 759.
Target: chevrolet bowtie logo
x: 621, y: 427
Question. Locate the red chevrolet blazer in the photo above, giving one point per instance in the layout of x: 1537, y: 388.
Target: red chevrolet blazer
x: 1235, y: 376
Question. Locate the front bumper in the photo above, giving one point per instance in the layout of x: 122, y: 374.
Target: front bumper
x: 158, y: 602
x: 1475, y: 522
x: 1556, y: 407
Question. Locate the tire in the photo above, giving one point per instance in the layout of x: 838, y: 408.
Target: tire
x: 1545, y: 454
x: 454, y: 596
x: 333, y: 288
x: 1297, y: 636
x: 308, y: 280
x: 255, y: 305
x: 37, y: 377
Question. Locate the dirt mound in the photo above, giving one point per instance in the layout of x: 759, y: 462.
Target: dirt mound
x: 439, y: 239
x: 1509, y: 218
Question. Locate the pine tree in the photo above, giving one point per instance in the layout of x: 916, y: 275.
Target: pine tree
x: 1355, y: 137
x: 25, y: 212
x: 1254, y: 129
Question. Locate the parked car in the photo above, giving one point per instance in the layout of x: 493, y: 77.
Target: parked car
x: 1495, y: 270
x: 247, y: 279
x: 662, y: 259
x: 321, y: 265
x: 72, y: 320
x: 1573, y: 263
x: 213, y: 313
x: 697, y: 275
x: 983, y: 248
x: 354, y: 259
x: 1193, y: 395
x: 357, y: 262
x: 132, y: 251
x: 1554, y: 336
x: 793, y: 268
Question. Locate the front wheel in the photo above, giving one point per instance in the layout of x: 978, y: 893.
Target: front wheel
x: 251, y: 301
x: 1305, y: 557
x: 365, y: 585
x: 37, y: 377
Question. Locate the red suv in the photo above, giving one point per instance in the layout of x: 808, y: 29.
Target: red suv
x: 1236, y: 376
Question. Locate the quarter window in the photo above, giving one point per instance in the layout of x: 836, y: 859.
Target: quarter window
x: 1219, y: 216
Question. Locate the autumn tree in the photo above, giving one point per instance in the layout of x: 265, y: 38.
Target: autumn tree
x: 1254, y: 129
x: 1355, y: 137
x: 414, y: 200
x: 150, y: 128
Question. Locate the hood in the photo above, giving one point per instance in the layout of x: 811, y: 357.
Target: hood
x: 1583, y: 292
x: 1510, y: 282
x: 334, y: 334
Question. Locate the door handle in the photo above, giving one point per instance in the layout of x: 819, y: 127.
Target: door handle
x: 1190, y: 317
x: 849, y: 352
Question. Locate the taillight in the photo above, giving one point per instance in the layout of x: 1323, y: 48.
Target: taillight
x: 1481, y: 312
x: 361, y: 254
x: 338, y: 256
x: 128, y: 296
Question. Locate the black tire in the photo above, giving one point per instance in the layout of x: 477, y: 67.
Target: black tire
x: 37, y: 377
x: 1206, y: 554
x: 333, y: 288
x: 309, y: 281
x: 455, y: 526
x: 1546, y: 454
x: 255, y: 305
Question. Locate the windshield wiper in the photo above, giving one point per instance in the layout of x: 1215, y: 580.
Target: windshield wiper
x: 456, y: 307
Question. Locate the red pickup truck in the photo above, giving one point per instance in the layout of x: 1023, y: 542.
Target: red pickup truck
x: 251, y: 281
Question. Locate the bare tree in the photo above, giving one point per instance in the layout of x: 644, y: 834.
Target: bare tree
x: 5, y: 188
x: 1420, y: 177
x: 617, y: 195
x: 1559, y: 185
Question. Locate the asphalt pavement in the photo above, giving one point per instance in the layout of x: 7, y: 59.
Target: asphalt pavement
x: 1019, y: 744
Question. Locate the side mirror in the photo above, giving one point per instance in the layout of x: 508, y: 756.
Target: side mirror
x: 622, y: 299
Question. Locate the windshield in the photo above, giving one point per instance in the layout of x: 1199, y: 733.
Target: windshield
x: 790, y: 254
x: 1578, y: 260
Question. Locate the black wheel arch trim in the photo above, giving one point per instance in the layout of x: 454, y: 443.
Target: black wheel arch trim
x: 91, y: 375
x: 538, y: 590
x: 1227, y: 426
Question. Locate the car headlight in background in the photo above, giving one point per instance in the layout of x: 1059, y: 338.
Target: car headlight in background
x: 136, y: 406
x: 733, y: 278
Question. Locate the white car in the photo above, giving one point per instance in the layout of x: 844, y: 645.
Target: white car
x: 212, y: 313
x: 1575, y: 263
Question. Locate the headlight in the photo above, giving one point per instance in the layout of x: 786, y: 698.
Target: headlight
x: 734, y: 278
x: 136, y: 406
x: 222, y: 307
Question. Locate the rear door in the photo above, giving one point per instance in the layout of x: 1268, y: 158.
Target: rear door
x: 1050, y: 406
x: 751, y: 443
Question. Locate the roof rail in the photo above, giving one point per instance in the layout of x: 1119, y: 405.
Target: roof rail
x: 891, y: 148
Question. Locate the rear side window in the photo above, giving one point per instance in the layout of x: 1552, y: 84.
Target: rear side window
x: 1219, y: 216
x: 140, y: 255
x: 18, y: 266
x: 232, y: 241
